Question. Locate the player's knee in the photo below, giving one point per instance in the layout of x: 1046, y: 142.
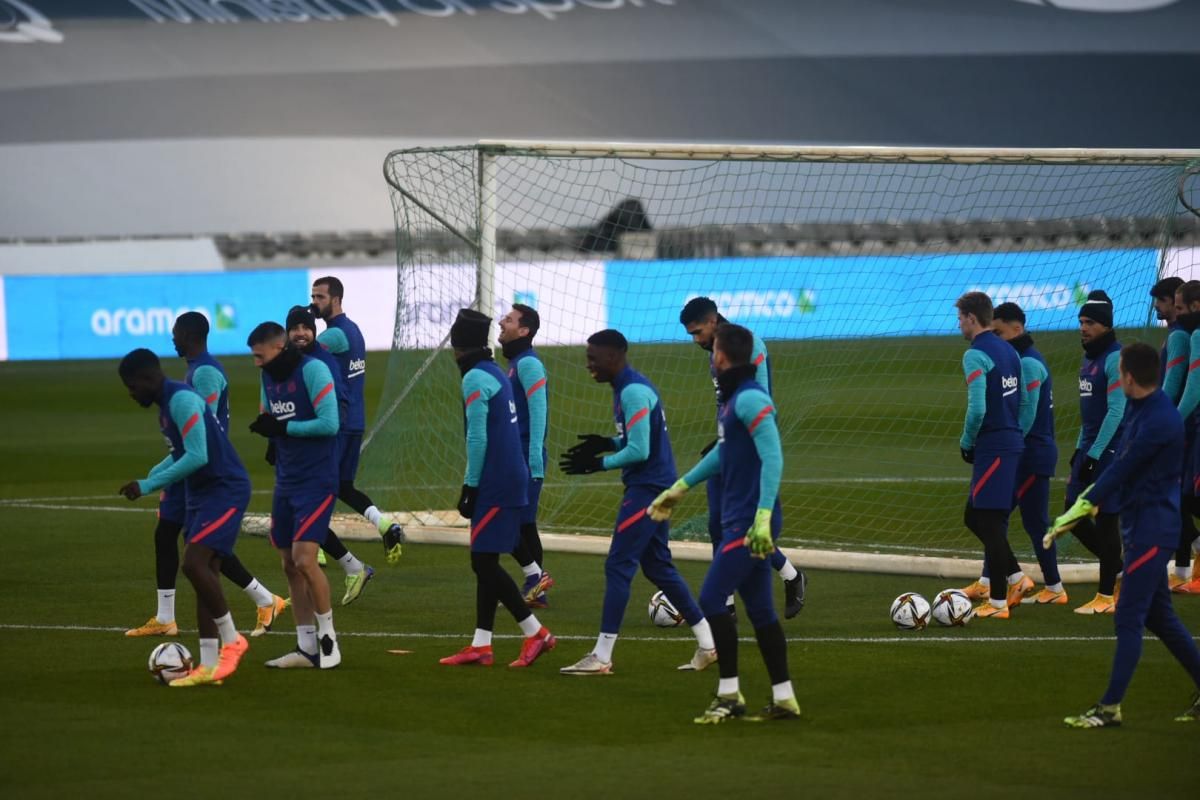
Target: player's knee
x: 761, y: 616
x: 619, y: 569
x: 712, y: 601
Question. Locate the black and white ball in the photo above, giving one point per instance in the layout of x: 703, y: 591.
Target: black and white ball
x: 910, y: 612
x: 168, y: 661
x: 662, y: 612
x: 952, y: 608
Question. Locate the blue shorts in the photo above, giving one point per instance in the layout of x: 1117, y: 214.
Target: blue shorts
x: 534, y: 493
x: 495, y: 529
x: 734, y: 569
x: 172, y: 503
x: 215, y: 522
x: 349, y: 445
x: 300, y: 518
x: 994, y: 480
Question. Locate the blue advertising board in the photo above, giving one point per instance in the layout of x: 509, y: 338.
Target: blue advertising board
x: 106, y: 316
x: 803, y: 297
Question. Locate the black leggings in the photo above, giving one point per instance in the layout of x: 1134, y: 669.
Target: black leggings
x: 492, y: 585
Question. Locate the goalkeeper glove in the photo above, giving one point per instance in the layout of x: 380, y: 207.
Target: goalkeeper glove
x: 660, y: 510
x: 1087, y: 473
x: 968, y: 454
x: 466, y: 501
x: 268, y: 426
x: 1069, y: 519
x: 759, y: 538
x: 270, y: 456
x: 592, y: 444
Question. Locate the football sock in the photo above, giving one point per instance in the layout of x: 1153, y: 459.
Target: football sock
x: 482, y: 638
x: 782, y: 691
x: 773, y: 646
x: 349, y: 494
x: 306, y: 638
x: 729, y: 601
x: 209, y: 652
x: 530, y: 625
x: 373, y: 516
x: 1015, y: 578
x: 704, y: 636
x: 258, y: 593
x: 728, y: 687
x: 531, y: 569
x: 604, y: 646
x: 1055, y: 587
x: 788, y: 571
x: 1180, y: 572
x: 325, y: 624
x: 226, y: 628
x: 985, y: 581
x: 1001, y: 603
x: 351, y: 564
x: 166, y: 605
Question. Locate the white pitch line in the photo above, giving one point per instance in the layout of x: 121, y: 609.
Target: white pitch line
x: 911, y: 638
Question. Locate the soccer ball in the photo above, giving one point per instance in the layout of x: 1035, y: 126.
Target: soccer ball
x: 168, y: 661
x: 910, y: 611
x: 952, y: 608
x: 662, y: 612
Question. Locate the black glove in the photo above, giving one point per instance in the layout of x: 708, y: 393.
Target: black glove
x: 270, y: 456
x: 1087, y: 473
x: 580, y: 462
x: 1074, y: 458
x: 466, y: 501
x: 967, y: 455
x: 266, y: 425
x: 592, y: 444
x: 709, y: 447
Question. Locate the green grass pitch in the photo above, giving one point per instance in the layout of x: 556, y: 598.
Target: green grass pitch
x: 966, y: 712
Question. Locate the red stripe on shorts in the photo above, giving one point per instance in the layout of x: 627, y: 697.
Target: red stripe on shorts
x: 478, y: 529
x: 212, y: 526
x: 995, y: 465
x: 312, y: 518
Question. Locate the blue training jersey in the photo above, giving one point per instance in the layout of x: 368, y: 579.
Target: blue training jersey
x: 527, y: 375
x: 994, y: 361
x: 186, y: 420
x: 321, y: 353
x: 1041, y: 450
x: 206, y: 375
x: 644, y: 449
x: 747, y: 410
x: 345, y: 341
x: 1101, y: 401
x: 306, y: 458
x: 495, y: 460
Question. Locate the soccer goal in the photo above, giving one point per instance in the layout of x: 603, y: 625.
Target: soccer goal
x: 846, y: 260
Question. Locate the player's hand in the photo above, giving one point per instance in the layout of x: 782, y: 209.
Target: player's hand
x: 758, y: 539
x: 592, y: 444
x: 1087, y: 473
x: 131, y: 491
x: 1069, y: 519
x: 266, y: 425
x: 466, y: 501
x: 580, y: 462
x: 662, y: 506
x: 968, y: 454
x: 270, y: 456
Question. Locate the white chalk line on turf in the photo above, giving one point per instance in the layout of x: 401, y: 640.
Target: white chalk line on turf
x: 681, y: 639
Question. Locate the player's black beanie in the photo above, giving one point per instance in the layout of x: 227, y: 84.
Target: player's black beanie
x: 300, y: 315
x: 470, y: 329
x: 1098, y: 308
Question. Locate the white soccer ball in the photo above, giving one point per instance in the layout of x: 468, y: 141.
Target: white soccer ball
x: 952, y: 608
x: 168, y: 661
x: 910, y: 611
x: 662, y: 612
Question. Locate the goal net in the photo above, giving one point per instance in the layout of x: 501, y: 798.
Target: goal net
x: 847, y: 261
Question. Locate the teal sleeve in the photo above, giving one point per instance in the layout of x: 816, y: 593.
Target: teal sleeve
x: 1191, y: 390
x: 758, y: 357
x: 478, y: 388
x: 209, y: 382
x: 262, y: 397
x: 757, y: 413
x: 335, y: 339
x: 976, y: 366
x: 1033, y: 375
x: 706, y: 468
x: 637, y: 401
x: 318, y: 380
x: 533, y: 378
x: 187, y: 412
x: 1178, y: 348
x: 1116, y: 406
x: 160, y: 466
